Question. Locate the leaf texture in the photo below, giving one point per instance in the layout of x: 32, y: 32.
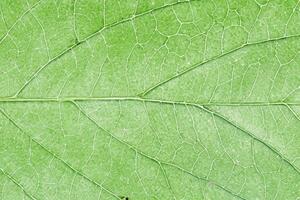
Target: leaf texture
x: 158, y: 99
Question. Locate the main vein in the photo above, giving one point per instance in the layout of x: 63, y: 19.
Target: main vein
x: 137, y: 98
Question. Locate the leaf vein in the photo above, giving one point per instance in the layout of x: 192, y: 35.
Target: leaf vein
x: 17, y: 184
x: 57, y: 157
x: 78, y: 43
x: 197, y: 65
x: 159, y: 162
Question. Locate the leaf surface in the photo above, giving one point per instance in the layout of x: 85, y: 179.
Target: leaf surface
x: 157, y: 99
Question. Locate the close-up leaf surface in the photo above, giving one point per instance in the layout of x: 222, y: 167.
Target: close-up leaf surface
x: 149, y: 99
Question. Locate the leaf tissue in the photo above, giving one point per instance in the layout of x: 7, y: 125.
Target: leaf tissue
x: 149, y: 99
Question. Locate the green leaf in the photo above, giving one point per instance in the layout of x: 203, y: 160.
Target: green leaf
x: 149, y: 99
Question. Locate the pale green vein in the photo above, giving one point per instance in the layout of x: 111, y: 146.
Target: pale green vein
x: 292, y: 111
x: 78, y: 43
x: 19, y: 19
x: 17, y: 184
x: 197, y: 65
x: 57, y: 157
x: 203, y: 107
x: 151, y: 88
x: 145, y: 95
x: 116, y: 98
x: 127, y: 145
x: 157, y: 161
x: 286, y: 160
x: 204, y: 179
